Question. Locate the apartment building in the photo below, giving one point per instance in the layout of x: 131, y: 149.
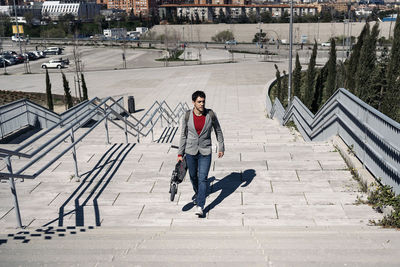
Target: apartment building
x: 138, y: 7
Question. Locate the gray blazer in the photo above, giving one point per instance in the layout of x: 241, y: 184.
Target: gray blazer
x: 191, y: 143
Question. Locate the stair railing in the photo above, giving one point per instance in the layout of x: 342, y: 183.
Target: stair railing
x: 373, y: 137
x: 103, y: 110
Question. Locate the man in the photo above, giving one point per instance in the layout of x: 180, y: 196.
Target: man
x: 195, y: 143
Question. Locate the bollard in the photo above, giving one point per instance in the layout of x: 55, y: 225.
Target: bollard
x: 131, y: 104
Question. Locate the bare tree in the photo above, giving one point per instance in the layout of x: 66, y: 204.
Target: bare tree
x: 78, y: 67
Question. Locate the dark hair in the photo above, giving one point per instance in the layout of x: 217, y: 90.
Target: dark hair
x: 197, y: 94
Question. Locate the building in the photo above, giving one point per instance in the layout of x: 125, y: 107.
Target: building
x: 209, y: 12
x: 34, y: 8
x: 81, y: 10
x: 115, y: 33
x: 139, y: 8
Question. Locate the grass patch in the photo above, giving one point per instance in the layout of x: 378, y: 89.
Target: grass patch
x: 38, y: 98
x: 292, y: 125
x: 384, y: 197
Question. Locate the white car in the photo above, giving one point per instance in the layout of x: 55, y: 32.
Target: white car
x: 14, y: 38
x: 327, y: 44
x: 55, y: 63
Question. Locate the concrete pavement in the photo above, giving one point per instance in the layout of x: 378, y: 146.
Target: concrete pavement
x: 273, y: 200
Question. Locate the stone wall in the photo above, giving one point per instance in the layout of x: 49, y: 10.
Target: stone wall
x: 245, y: 32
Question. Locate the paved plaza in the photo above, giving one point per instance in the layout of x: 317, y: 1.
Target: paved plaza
x: 273, y: 200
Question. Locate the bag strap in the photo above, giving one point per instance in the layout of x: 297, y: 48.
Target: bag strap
x: 212, y: 115
x: 187, y: 114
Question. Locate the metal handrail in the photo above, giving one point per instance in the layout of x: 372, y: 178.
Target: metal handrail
x: 373, y: 136
x: 72, y: 123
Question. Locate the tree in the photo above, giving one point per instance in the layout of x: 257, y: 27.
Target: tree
x: 318, y: 92
x: 48, y: 92
x: 352, y: 63
x: 391, y: 106
x: 378, y: 82
x: 243, y: 18
x: 297, y: 77
x: 310, y: 78
x: 266, y: 17
x: 331, y: 67
x: 366, y: 64
x: 260, y: 37
x: 197, y: 18
x: 284, y: 89
x: 223, y: 36
x: 221, y: 16
x: 252, y: 16
x: 84, y: 88
x: 278, y: 92
x: 67, y: 92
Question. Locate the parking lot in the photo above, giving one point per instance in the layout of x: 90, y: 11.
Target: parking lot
x: 90, y: 58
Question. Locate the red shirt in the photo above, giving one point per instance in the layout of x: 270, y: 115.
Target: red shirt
x: 199, y: 122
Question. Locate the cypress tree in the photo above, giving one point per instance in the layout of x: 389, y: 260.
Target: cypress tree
x: 284, y: 88
x: 391, y: 99
x: 317, y: 97
x: 352, y: 63
x: 341, y: 74
x: 366, y: 64
x: 67, y: 92
x: 278, y: 92
x: 378, y: 82
x: 48, y: 92
x: 84, y: 88
x: 310, y: 78
x: 297, y: 78
x: 331, y: 68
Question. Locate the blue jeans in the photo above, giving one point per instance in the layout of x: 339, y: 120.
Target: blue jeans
x: 199, y: 166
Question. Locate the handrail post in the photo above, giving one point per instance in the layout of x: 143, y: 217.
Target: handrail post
x: 74, y: 154
x: 126, y: 130
x: 161, y: 117
x: 152, y: 132
x: 13, y: 192
x: 106, y: 125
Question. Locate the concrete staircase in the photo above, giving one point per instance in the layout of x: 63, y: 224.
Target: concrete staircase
x: 274, y: 200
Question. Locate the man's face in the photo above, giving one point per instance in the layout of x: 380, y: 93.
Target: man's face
x: 199, y: 104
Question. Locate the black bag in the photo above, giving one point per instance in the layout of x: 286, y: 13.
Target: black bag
x: 178, y: 174
x: 180, y: 171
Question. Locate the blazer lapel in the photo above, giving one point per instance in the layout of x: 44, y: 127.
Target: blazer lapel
x: 205, y: 124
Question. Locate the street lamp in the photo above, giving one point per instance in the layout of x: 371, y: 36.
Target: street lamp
x: 290, y: 51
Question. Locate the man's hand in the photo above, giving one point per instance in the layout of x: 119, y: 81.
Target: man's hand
x: 180, y: 158
x: 220, y: 154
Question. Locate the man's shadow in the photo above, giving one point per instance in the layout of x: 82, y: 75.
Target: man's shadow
x: 226, y: 186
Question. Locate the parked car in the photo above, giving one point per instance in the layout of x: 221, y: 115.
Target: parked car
x: 19, y: 58
x: 233, y: 42
x: 3, y: 62
x: 14, y: 38
x: 327, y: 44
x: 39, y: 54
x: 52, y: 51
x: 10, y: 59
x: 65, y: 60
x: 54, y: 63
